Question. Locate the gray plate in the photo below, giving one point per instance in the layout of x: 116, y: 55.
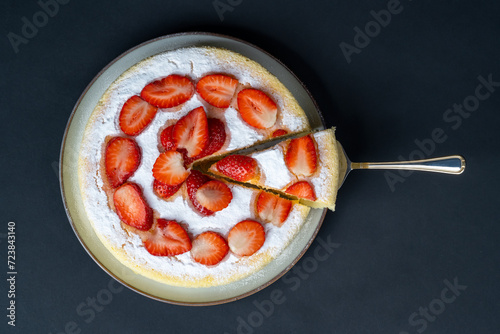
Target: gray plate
x: 74, y: 205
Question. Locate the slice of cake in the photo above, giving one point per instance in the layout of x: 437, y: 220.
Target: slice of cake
x: 306, y: 168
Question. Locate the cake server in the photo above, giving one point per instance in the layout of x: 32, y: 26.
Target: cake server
x: 451, y: 164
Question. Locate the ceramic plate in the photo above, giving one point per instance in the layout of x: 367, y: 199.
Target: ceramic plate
x: 74, y: 205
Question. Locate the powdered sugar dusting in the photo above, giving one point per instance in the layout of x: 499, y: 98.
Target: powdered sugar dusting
x: 272, y: 167
x: 178, y: 270
x: 241, y: 133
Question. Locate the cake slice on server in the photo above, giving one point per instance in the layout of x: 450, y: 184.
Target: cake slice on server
x: 305, y: 168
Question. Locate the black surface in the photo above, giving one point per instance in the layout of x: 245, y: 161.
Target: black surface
x: 396, y: 248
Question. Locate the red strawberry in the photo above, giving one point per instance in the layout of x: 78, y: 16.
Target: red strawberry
x: 168, y: 238
x: 122, y: 158
x: 214, y: 195
x: 167, y: 139
x: 246, y: 238
x: 216, y: 139
x: 279, y: 133
x: 169, y: 168
x: 135, y: 115
x: 191, y: 132
x: 272, y: 208
x: 300, y: 157
x: 238, y: 167
x: 194, y: 181
x: 164, y: 190
x: 256, y: 108
x: 209, y: 248
x: 302, y: 189
x: 131, y: 206
x: 168, y: 92
x: 217, y: 89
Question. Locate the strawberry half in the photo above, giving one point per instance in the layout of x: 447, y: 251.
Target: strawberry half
x: 246, y: 238
x: 164, y: 190
x: 167, y: 139
x: 168, y: 238
x: 256, y: 108
x: 272, y: 208
x: 191, y: 132
x: 168, y: 92
x: 194, y: 181
x: 131, y: 207
x: 169, y: 168
x: 216, y: 139
x: 135, y: 115
x: 300, y: 157
x: 209, y: 248
x: 279, y: 133
x: 302, y: 189
x: 238, y: 167
x: 122, y: 158
x: 217, y: 89
x: 214, y: 195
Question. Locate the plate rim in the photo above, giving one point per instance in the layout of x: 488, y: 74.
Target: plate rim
x: 72, y: 223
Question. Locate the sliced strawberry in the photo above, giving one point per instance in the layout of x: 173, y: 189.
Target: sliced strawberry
x: 209, y: 248
x: 168, y: 92
x: 246, y: 238
x: 131, y: 207
x: 193, y: 182
x: 121, y: 160
x: 164, y: 190
x: 217, y: 89
x: 214, y: 195
x: 272, y: 208
x: 302, y: 189
x: 216, y: 139
x: 238, y: 167
x: 167, y: 139
x: 256, y: 108
x: 168, y: 238
x: 135, y: 115
x: 300, y: 157
x: 279, y: 133
x: 169, y: 168
x: 191, y: 132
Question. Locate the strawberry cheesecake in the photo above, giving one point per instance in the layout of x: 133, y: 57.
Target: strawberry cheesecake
x: 149, y: 207
x: 306, y: 168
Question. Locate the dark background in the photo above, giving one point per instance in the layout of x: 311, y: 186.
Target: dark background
x: 397, y: 246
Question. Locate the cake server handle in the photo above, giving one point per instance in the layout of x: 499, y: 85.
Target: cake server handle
x: 451, y: 164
